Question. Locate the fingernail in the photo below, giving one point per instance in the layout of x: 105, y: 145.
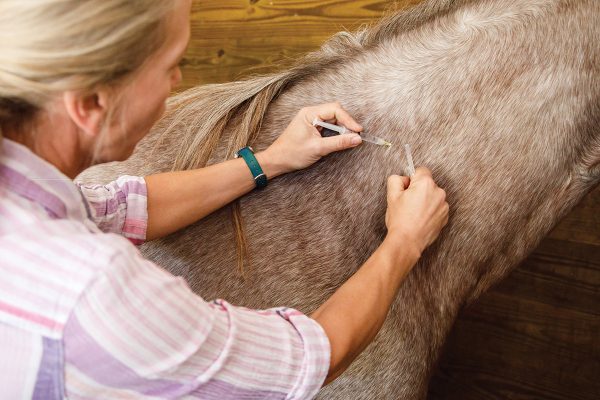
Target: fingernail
x: 356, y: 139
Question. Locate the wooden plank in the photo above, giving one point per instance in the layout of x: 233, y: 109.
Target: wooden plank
x: 533, y: 336
x: 229, y: 37
x: 561, y: 274
x: 583, y: 223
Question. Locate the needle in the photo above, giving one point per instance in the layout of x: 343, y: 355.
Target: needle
x: 411, y: 164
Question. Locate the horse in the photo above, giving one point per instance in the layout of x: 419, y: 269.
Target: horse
x: 499, y: 98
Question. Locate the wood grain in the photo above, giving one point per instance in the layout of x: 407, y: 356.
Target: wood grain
x: 230, y: 36
x: 535, y: 335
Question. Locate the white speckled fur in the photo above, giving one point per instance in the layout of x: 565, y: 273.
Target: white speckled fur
x: 500, y: 98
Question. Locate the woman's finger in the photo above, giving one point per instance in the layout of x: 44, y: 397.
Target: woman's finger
x: 421, y: 173
x: 338, y: 143
x: 396, y: 184
x: 333, y: 112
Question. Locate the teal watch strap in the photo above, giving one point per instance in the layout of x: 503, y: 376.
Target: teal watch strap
x: 259, y: 176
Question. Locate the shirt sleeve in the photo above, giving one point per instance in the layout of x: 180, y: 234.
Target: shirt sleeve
x: 119, y: 207
x: 139, y: 330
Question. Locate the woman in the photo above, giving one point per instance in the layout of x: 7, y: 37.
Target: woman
x: 82, y: 314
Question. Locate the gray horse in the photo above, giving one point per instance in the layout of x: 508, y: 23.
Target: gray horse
x: 500, y: 98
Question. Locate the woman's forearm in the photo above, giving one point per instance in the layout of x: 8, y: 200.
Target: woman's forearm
x: 178, y: 199
x: 354, y: 314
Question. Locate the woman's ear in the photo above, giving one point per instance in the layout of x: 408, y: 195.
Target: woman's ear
x: 87, y: 111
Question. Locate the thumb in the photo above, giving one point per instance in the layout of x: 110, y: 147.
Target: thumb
x: 395, y: 186
x: 405, y: 182
x: 339, y: 142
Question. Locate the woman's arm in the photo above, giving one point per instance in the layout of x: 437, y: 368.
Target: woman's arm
x: 356, y: 311
x: 178, y: 199
x: 353, y: 316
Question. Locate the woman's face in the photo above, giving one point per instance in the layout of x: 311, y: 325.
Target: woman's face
x: 143, y: 99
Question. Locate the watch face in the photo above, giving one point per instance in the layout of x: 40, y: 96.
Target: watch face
x: 261, y: 181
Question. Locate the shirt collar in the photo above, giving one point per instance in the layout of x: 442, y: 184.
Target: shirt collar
x: 28, y: 175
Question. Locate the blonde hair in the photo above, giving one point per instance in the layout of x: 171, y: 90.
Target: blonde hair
x: 51, y: 46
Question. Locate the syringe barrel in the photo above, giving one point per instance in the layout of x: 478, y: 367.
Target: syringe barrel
x: 339, y: 129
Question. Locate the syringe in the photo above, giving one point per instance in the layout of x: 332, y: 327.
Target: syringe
x: 411, y: 164
x: 332, y: 130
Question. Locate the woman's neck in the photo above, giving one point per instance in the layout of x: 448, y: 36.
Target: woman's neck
x: 54, y: 139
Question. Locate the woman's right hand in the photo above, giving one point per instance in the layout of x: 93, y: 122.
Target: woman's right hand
x: 417, y: 210
x: 352, y: 316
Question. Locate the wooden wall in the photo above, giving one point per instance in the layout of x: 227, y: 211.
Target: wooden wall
x: 534, y: 336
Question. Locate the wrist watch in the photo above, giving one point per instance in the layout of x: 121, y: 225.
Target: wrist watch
x: 260, y: 179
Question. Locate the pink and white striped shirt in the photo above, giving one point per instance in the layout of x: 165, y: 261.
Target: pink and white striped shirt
x: 84, y: 315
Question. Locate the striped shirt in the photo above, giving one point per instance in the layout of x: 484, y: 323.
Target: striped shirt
x: 84, y: 315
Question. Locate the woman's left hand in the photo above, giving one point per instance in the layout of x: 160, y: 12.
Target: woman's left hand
x: 301, y: 145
